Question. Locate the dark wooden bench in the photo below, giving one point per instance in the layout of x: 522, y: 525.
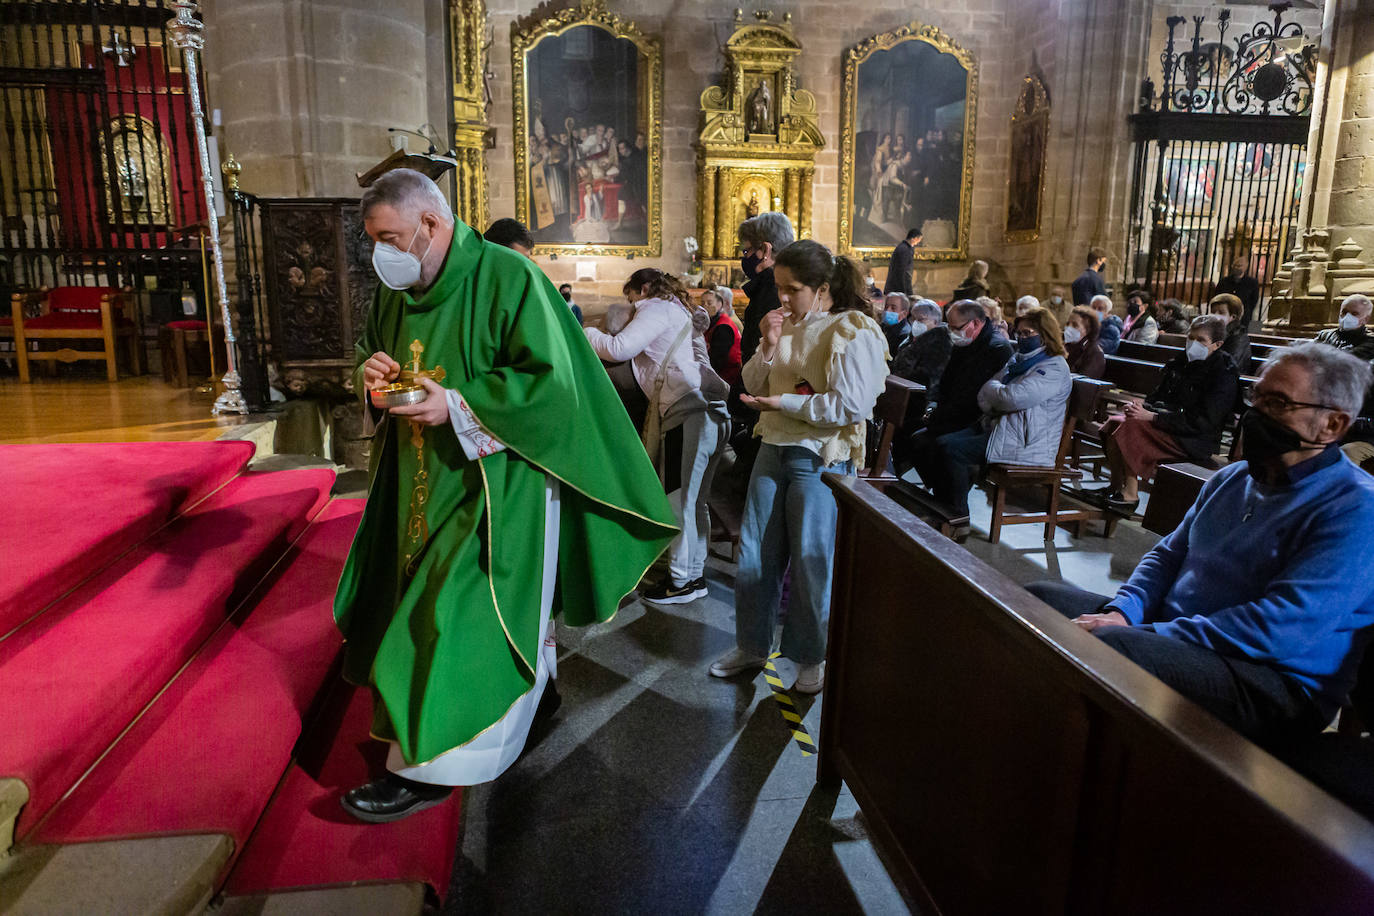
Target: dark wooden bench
x: 1008, y: 762
x: 1150, y: 353
x: 1174, y: 491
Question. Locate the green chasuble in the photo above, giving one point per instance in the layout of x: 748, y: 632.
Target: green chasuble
x: 449, y: 649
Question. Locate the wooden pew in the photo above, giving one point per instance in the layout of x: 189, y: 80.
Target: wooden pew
x: 1008, y: 762
x: 1150, y: 353
x: 1173, y: 493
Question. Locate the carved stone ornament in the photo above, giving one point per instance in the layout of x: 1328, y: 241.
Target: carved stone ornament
x: 759, y: 137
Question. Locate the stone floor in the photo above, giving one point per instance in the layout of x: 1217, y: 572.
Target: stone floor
x: 659, y: 789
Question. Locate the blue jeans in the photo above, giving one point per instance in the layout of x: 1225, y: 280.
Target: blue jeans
x: 789, y: 517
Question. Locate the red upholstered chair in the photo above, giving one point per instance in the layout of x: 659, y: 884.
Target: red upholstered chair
x: 79, y: 313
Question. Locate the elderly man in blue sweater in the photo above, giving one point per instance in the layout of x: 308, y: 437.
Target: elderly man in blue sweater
x: 1259, y: 606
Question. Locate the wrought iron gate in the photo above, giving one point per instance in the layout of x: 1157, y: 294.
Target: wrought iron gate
x: 99, y: 172
x: 1219, y: 154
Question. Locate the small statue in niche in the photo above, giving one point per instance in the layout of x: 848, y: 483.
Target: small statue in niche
x: 752, y: 208
x: 760, y: 108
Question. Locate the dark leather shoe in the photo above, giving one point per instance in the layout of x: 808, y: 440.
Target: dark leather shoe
x: 391, y: 798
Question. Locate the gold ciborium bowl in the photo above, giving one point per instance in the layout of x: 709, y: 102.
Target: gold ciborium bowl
x: 398, y: 394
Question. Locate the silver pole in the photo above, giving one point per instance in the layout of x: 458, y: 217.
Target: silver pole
x: 186, y: 35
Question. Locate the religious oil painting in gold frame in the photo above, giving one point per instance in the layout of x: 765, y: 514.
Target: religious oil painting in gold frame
x: 1030, y: 131
x: 588, y: 133
x: 906, y: 143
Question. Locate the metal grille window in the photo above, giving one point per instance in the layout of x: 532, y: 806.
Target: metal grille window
x: 99, y: 174
x: 1220, y: 153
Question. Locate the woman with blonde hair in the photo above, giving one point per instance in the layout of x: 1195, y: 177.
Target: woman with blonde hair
x: 975, y: 285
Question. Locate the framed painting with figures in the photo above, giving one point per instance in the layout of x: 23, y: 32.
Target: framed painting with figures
x: 588, y: 133
x: 906, y: 155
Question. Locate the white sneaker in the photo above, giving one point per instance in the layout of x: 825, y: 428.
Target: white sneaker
x: 810, y: 678
x: 733, y: 662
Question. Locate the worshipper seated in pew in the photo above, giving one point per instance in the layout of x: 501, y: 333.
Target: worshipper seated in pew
x: 1181, y: 419
x: 1025, y: 304
x: 1173, y: 317
x: 1259, y: 606
x: 667, y: 355
x: 819, y: 369
x: 922, y: 357
x: 1109, y: 335
x: 896, y: 307
x: 976, y: 355
x: 1142, y: 324
x: 1351, y: 332
x: 1237, y: 342
x: 1022, y: 415
x: 1082, y: 343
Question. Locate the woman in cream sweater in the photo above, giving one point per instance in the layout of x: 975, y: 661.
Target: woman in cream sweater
x: 820, y: 366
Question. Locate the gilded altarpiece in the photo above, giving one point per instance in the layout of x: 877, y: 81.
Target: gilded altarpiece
x: 758, y: 142
x: 468, y: 52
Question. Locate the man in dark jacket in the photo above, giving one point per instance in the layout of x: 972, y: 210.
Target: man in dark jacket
x: 902, y: 261
x: 1244, y: 288
x: 1090, y: 282
x: 977, y: 355
x: 1350, y: 332
x: 760, y: 239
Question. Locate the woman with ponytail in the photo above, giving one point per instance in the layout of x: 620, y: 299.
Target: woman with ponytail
x: 678, y: 390
x: 819, y: 368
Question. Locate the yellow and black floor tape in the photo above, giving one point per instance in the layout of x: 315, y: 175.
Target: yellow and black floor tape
x: 787, y: 707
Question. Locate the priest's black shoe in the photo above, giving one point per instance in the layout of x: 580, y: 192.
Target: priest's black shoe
x: 391, y: 798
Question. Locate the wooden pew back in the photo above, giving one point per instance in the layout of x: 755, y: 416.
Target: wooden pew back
x: 1007, y: 762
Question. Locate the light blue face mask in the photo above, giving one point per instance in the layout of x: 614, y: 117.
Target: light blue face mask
x: 398, y: 269
x: 890, y: 317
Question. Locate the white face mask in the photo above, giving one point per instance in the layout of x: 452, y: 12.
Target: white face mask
x: 918, y: 328
x: 398, y: 269
x: 1196, y: 350
x: 1350, y: 322
x: 1072, y: 335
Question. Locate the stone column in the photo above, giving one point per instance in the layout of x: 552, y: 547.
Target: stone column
x: 308, y: 88
x: 1336, y: 215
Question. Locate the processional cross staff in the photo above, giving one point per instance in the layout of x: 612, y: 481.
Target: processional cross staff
x: 417, y: 529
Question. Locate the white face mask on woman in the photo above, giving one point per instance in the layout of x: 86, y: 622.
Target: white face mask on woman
x: 1196, y: 350
x: 1350, y: 322
x: 1072, y: 335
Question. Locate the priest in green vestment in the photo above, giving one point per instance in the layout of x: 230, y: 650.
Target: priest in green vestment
x: 516, y: 491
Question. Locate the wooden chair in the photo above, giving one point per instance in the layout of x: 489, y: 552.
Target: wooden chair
x: 1083, y: 401
x: 184, y: 346
x: 891, y: 413
x: 79, y: 313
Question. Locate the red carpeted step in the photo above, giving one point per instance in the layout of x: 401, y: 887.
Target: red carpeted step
x: 72, y: 679
x: 207, y: 754
x: 306, y: 839
x: 71, y: 509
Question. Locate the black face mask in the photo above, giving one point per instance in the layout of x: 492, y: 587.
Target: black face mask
x: 750, y: 265
x: 1133, y: 309
x: 1266, y: 440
